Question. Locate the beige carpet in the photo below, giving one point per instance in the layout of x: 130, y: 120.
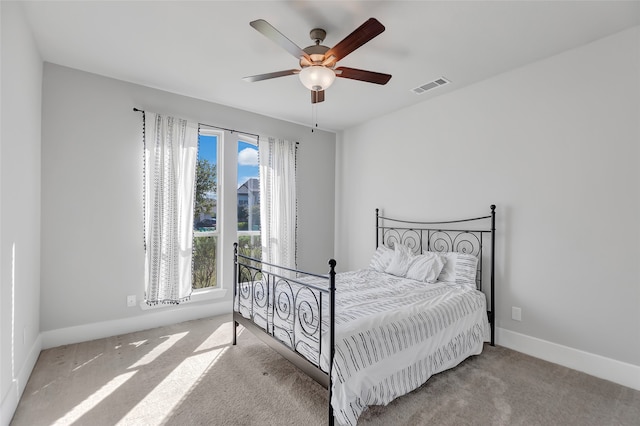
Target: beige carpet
x: 189, y: 374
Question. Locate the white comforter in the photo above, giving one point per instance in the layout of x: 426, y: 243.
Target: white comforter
x: 393, y: 333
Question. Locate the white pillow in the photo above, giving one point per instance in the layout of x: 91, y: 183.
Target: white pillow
x: 448, y: 273
x: 425, y: 267
x: 459, y: 268
x: 466, y: 268
x: 381, y: 258
x: 400, y: 262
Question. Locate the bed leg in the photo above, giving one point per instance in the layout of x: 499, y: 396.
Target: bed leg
x: 235, y: 332
x: 330, y: 414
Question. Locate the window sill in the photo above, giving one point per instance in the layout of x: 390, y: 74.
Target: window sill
x: 196, y: 296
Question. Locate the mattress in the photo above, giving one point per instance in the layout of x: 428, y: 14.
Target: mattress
x: 391, y: 335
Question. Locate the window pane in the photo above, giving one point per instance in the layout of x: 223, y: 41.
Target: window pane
x: 205, y: 221
x: 205, y: 268
x: 249, y: 245
x: 248, y: 200
x: 248, y: 187
x: 205, y: 207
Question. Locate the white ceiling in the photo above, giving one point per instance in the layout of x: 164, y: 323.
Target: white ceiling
x: 203, y: 49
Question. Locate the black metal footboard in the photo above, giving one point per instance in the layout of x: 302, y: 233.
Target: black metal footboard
x: 292, y: 311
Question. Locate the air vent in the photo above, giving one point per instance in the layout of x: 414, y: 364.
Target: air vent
x: 430, y: 85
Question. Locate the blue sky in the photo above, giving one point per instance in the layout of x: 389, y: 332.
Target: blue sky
x: 247, y: 156
x: 247, y: 162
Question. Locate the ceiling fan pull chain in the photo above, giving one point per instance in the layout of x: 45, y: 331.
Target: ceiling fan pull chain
x: 314, y: 116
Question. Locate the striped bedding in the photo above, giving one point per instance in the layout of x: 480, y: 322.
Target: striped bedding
x: 392, y: 334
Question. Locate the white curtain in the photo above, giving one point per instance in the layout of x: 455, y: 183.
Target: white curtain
x: 171, y: 151
x: 278, y: 201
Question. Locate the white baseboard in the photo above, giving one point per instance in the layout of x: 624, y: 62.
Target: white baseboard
x: 605, y: 368
x: 9, y: 404
x: 11, y: 399
x: 150, y: 319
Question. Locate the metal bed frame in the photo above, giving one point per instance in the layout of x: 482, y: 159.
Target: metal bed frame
x: 280, y: 300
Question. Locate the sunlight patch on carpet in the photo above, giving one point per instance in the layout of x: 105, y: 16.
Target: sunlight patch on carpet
x: 87, y: 362
x: 159, y: 350
x: 221, y: 336
x: 176, y: 387
x: 94, y: 399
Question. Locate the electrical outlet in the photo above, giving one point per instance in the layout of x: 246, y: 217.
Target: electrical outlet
x: 131, y: 300
x: 516, y: 313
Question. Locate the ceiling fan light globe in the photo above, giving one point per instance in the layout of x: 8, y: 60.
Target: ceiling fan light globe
x: 317, y: 77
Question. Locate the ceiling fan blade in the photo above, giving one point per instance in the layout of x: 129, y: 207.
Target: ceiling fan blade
x: 317, y: 96
x: 276, y: 36
x: 365, y: 32
x: 362, y: 75
x: 260, y: 77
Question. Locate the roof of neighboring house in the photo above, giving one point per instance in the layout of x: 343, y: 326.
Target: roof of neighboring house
x: 252, y: 184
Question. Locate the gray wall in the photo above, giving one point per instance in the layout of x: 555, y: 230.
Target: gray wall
x: 92, y: 247
x: 19, y: 206
x: 555, y: 145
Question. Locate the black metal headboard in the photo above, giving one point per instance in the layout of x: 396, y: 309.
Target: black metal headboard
x: 474, y: 236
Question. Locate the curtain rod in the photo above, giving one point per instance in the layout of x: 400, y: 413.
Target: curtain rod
x: 215, y: 127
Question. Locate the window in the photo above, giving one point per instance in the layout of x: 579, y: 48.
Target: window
x: 214, y: 192
x: 205, y: 217
x: 248, y: 199
x: 242, y: 191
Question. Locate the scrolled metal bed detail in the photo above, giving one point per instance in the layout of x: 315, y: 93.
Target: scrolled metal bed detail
x: 276, y: 301
x: 294, y: 312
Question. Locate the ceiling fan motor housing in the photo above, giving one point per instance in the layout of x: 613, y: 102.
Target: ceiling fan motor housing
x: 316, y: 53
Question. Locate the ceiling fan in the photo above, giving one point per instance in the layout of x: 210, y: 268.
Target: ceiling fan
x: 317, y: 62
